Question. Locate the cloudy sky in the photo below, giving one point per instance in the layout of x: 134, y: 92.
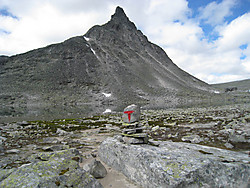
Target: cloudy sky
x: 210, y: 39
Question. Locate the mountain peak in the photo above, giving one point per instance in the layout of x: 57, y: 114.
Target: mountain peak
x: 119, y: 14
x: 119, y: 23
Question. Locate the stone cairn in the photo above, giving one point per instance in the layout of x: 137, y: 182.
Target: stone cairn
x: 133, y: 132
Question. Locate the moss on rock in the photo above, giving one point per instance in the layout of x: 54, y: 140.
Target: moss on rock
x: 50, y: 170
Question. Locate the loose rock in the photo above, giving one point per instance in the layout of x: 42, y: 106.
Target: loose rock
x: 192, y: 138
x: 2, y: 139
x: 97, y: 169
x: 228, y: 145
x: 61, y: 132
x: 49, y: 140
x: 155, y: 128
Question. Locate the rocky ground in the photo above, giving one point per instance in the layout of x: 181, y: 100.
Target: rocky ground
x: 36, y: 143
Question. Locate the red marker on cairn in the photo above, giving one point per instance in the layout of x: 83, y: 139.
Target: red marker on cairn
x: 132, y: 132
x: 131, y: 114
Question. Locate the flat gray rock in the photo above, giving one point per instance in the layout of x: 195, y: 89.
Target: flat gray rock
x: 55, y: 169
x: 174, y: 164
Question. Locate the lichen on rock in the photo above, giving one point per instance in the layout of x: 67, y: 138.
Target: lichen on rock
x: 176, y: 164
x: 51, y: 170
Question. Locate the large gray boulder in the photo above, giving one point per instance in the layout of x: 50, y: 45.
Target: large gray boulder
x: 174, y: 164
x: 55, y: 169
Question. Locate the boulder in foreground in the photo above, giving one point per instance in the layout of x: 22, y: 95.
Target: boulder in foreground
x: 50, y: 169
x: 174, y: 164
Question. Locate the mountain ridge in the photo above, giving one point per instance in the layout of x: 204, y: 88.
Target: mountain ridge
x: 243, y: 85
x: 115, y: 26
x: 114, y: 58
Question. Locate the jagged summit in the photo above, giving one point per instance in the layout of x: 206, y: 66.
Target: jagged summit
x: 121, y: 19
x: 119, y: 24
x: 119, y: 14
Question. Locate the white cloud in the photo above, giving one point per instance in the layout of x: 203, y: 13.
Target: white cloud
x: 246, y: 62
x: 235, y: 33
x: 44, y: 24
x: 168, y: 10
x: 77, y: 6
x: 219, y: 79
x: 214, y: 13
x: 212, y: 62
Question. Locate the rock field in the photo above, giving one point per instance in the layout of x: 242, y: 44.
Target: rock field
x: 54, y: 153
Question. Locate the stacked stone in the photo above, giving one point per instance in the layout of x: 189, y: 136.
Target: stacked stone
x: 133, y: 133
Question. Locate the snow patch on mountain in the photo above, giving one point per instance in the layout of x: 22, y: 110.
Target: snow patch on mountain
x: 107, y: 94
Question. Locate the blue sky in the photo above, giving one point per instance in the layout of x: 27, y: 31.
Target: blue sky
x: 6, y: 13
x: 237, y: 9
x: 209, y: 39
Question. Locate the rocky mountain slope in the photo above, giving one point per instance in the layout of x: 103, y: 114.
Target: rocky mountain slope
x: 115, y: 58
